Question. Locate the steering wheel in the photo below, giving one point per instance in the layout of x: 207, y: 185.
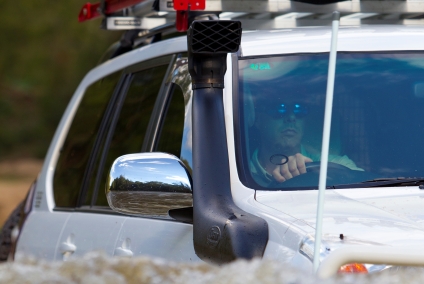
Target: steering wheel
x: 336, y: 174
x: 315, y: 166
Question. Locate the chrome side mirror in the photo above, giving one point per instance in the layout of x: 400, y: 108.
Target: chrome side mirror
x: 148, y: 184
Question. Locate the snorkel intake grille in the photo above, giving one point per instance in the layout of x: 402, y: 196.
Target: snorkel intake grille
x: 208, y: 45
x: 214, y: 36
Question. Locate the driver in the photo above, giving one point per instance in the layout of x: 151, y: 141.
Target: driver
x: 281, y: 154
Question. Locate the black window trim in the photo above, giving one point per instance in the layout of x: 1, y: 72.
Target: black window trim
x: 114, y: 116
x: 158, y: 109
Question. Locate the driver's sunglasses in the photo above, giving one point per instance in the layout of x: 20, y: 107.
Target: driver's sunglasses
x: 282, y: 110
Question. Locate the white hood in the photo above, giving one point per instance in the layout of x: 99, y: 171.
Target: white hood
x: 390, y: 216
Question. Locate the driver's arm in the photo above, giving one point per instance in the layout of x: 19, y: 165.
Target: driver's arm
x: 294, y: 167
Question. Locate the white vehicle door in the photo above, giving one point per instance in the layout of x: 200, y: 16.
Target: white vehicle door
x: 103, y: 130
x: 156, y: 233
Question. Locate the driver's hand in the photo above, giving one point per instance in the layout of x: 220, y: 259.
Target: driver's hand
x: 294, y: 167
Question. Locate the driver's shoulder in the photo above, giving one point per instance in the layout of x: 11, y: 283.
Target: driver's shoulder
x: 308, y: 152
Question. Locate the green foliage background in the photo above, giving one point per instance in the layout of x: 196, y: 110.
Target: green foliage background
x: 44, y: 54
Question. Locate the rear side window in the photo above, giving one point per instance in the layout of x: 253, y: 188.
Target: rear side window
x: 82, y: 134
x: 132, y: 121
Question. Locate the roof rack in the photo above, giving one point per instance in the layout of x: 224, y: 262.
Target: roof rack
x: 255, y: 14
x: 312, y: 6
x: 145, y: 21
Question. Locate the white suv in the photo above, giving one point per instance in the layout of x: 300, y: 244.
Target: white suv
x: 143, y: 165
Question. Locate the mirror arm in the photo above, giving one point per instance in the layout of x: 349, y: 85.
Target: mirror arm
x: 184, y: 215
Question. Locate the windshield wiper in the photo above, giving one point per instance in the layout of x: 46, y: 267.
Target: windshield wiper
x: 384, y: 182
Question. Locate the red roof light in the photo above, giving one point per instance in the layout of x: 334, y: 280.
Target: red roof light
x: 90, y: 11
x: 182, y: 8
x: 182, y: 5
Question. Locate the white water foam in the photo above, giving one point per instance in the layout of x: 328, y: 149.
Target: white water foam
x: 97, y: 267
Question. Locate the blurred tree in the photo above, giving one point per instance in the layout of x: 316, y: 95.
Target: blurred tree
x: 44, y: 53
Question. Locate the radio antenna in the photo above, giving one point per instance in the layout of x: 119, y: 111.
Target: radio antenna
x: 326, y: 138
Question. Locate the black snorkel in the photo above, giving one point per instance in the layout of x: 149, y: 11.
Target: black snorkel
x: 222, y: 232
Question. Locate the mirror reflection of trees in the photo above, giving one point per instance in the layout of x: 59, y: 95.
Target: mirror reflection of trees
x: 123, y: 184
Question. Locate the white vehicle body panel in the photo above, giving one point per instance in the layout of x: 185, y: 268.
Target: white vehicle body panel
x: 41, y: 233
x: 84, y: 232
x: 166, y: 239
x: 365, y: 216
x: 384, y: 216
x: 316, y: 40
x: 375, y: 219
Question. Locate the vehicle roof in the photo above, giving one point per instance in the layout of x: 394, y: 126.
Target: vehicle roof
x: 293, y: 41
x: 317, y: 39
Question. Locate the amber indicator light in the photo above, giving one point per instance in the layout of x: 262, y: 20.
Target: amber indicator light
x: 353, y: 268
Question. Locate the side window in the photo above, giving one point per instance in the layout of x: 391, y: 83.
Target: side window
x: 81, y: 137
x: 130, y: 124
x: 171, y: 131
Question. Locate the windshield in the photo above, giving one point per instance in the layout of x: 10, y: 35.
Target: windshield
x: 377, y: 126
